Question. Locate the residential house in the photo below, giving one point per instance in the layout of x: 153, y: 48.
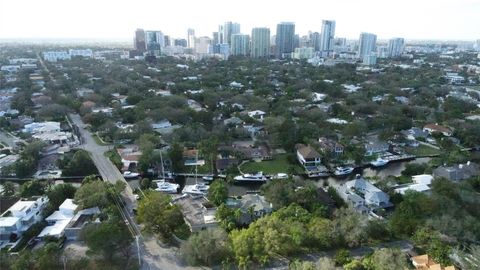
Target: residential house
x: 421, y: 183
x: 425, y: 262
x: 415, y: 133
x: 254, y: 206
x: 434, y: 128
x: 458, y: 172
x: 361, y: 194
x: 58, y: 221
x: 330, y: 146
x: 232, y: 121
x: 79, y: 221
x: 162, y: 124
x: 191, y: 157
x: 196, y: 213
x: 225, y: 161
x: 307, y: 156
x: 130, y: 156
x: 20, y: 217
x: 310, y: 159
x: 252, y: 152
x: 374, y: 147
x: 84, y: 92
x: 257, y: 114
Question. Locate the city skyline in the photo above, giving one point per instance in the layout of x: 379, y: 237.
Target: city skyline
x: 430, y: 20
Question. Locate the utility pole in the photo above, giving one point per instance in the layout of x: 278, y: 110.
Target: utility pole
x: 138, y: 251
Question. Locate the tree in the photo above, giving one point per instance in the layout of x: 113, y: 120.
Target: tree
x: 342, y: 257
x: 350, y: 227
x: 158, y: 215
x: 208, y: 247
x: 209, y: 148
x: 299, y: 265
x: 92, y: 194
x: 32, y: 188
x: 354, y: 265
x: 8, y: 189
x: 176, y: 156
x: 109, y: 238
x: 218, y: 192
x: 58, y: 193
x: 386, y: 259
x: 80, y: 165
x: 326, y: 263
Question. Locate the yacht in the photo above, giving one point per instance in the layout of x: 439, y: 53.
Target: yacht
x: 379, y: 162
x: 257, y: 177
x: 130, y: 175
x: 343, y: 171
x: 280, y: 176
x: 197, y: 189
x: 166, y: 187
x: 208, y: 178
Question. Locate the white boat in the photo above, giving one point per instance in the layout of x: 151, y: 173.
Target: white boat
x: 208, y: 178
x: 166, y: 187
x: 379, y: 162
x: 280, y: 176
x: 343, y: 171
x: 129, y: 174
x: 257, y: 177
x: 197, y: 189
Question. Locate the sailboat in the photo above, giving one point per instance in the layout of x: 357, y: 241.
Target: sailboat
x: 164, y: 186
x: 197, y: 189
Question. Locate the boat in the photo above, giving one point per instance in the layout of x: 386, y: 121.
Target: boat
x: 343, y: 171
x: 208, y: 178
x: 166, y: 187
x: 280, y: 176
x: 379, y: 162
x: 197, y: 189
x: 130, y: 175
x: 257, y: 177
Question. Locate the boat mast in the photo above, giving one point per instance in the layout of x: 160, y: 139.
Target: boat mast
x: 161, y: 161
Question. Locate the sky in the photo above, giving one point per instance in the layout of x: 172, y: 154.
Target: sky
x: 110, y: 19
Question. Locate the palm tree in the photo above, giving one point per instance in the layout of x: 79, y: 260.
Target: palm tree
x: 8, y: 189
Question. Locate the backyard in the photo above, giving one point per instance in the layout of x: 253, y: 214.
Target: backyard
x: 422, y: 150
x: 279, y: 164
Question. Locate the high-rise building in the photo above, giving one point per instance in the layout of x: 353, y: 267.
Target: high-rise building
x: 139, y: 41
x: 155, y: 41
x: 285, y: 39
x: 240, y: 44
x: 260, y: 42
x: 327, y: 36
x: 180, y: 42
x: 203, y: 45
x: 167, y: 41
x: 229, y: 29
x: 216, y: 38
x: 191, y: 38
x: 315, y: 41
x: 395, y: 47
x: 366, y: 44
x: 221, y: 39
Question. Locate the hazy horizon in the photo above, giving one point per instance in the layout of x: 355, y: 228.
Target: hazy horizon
x: 441, y: 20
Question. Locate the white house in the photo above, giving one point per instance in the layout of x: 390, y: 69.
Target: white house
x: 236, y: 85
x: 20, y: 217
x: 257, y: 114
x: 362, y: 195
x: 372, y: 195
x: 421, y: 183
x: 42, y: 127
x: 161, y: 124
x: 58, y: 221
x: 307, y: 156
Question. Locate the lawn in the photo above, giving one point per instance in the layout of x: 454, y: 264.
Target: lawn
x: 98, y: 140
x: 422, y: 150
x: 279, y: 164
